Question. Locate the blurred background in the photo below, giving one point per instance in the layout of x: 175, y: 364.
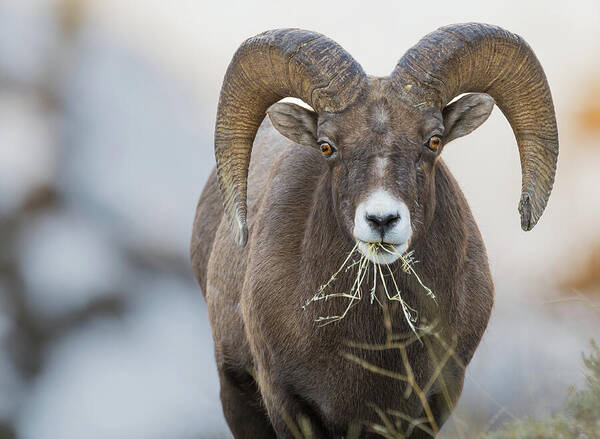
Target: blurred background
x: 107, y: 110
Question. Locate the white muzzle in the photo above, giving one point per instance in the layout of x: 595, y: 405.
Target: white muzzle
x: 382, y: 218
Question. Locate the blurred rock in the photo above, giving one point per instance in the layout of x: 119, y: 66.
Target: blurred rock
x: 148, y: 375
x: 139, y: 158
x: 67, y: 262
x: 28, y: 152
x: 10, y: 381
x: 41, y: 198
x: 28, y: 32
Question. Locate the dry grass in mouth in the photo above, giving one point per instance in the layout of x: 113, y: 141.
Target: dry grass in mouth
x: 367, y: 270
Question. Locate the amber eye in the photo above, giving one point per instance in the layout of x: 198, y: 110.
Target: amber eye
x: 434, y: 143
x: 326, y: 149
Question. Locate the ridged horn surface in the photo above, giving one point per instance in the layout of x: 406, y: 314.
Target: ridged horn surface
x: 476, y: 57
x: 266, y: 68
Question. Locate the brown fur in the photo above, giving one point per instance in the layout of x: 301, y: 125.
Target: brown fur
x: 275, y: 363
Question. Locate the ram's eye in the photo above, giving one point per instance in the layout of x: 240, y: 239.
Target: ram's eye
x: 326, y: 149
x: 434, y: 143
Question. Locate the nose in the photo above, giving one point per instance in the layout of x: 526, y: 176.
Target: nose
x: 382, y: 222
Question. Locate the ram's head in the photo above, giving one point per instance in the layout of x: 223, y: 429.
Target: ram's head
x: 382, y: 136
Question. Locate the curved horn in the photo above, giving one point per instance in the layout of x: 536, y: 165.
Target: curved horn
x: 265, y: 69
x: 477, y: 57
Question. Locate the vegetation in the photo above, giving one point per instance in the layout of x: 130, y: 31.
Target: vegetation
x: 580, y: 418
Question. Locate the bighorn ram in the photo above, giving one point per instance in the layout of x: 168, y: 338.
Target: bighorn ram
x: 369, y: 170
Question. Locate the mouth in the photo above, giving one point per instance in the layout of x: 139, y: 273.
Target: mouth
x: 382, y: 252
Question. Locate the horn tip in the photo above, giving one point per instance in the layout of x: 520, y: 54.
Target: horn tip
x: 528, y: 218
x: 240, y: 232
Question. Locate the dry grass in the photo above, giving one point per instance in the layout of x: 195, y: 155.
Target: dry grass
x: 396, y: 424
x: 370, y: 273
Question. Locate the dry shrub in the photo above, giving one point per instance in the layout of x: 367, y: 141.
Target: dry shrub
x: 588, y: 117
x: 584, y: 277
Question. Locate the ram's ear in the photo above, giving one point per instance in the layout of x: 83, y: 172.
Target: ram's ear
x: 464, y: 115
x: 295, y: 122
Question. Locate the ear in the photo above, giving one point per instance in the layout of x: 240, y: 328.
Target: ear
x: 464, y: 115
x: 295, y: 122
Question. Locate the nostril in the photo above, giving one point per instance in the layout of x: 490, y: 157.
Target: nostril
x: 391, y: 219
x: 382, y: 221
x: 373, y: 221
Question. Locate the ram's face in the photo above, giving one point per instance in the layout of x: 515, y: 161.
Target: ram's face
x: 382, y: 156
x: 381, y: 172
